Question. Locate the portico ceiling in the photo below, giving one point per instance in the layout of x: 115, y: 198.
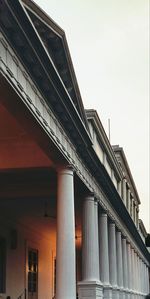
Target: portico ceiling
x: 17, y: 148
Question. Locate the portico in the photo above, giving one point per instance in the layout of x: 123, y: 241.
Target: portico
x: 68, y: 223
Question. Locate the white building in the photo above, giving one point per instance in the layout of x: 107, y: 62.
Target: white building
x: 68, y: 202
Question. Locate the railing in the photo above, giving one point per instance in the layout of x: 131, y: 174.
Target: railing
x: 22, y: 295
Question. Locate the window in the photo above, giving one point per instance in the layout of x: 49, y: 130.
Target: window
x: 32, y: 270
x: 2, y: 265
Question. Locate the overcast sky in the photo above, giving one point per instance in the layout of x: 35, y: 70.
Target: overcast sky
x: 109, y: 46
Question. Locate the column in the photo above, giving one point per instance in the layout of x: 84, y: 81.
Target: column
x: 65, y: 266
x: 129, y: 201
x: 90, y: 285
x: 138, y: 277
x: 104, y: 257
x: 135, y: 262
x: 124, y: 260
x: 133, y: 272
x: 129, y: 268
x: 135, y: 215
x: 119, y: 264
x: 147, y: 279
x: 145, y: 283
x: 124, y: 190
x: 119, y: 188
x: 142, y: 279
x: 112, y: 259
x: 132, y: 207
x: 96, y: 241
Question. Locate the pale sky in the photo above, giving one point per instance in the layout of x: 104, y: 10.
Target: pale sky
x: 109, y: 46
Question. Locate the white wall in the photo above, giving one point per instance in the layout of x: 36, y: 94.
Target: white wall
x: 16, y: 265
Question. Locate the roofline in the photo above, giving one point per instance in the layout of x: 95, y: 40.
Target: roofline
x: 44, y: 16
x: 141, y: 224
x: 49, y: 22
x: 93, y: 115
x: 120, y: 149
x: 17, y: 7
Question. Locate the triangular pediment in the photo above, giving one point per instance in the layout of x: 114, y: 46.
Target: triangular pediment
x: 54, y: 40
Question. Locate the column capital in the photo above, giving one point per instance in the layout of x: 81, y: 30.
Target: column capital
x: 124, y: 237
x: 103, y: 214
x: 89, y: 196
x: 66, y: 169
x: 112, y: 222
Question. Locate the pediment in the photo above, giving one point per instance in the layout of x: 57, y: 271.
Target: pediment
x: 54, y: 40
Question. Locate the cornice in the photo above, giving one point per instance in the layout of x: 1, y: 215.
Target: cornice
x: 93, y: 116
x: 49, y: 26
x: 120, y: 150
x: 34, y: 55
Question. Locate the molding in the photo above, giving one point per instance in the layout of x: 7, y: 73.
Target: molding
x: 92, y: 116
x: 120, y: 151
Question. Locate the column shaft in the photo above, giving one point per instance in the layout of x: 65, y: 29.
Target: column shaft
x: 104, y: 258
x: 124, y: 259
x: 96, y: 242
x: 90, y: 286
x: 65, y: 265
x: 112, y: 254
x: 119, y: 259
x: 124, y: 191
x: 90, y: 266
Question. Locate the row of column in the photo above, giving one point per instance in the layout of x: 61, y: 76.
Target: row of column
x: 110, y: 266
x: 119, y: 269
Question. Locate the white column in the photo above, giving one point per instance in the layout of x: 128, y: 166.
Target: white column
x: 104, y: 256
x: 96, y: 241
x: 104, y: 259
x: 139, y: 274
x: 133, y: 270
x: 89, y: 250
x: 124, y: 191
x: 147, y: 279
x: 142, y: 276
x: 135, y: 213
x: 129, y: 199
x: 136, y: 282
x: 124, y: 259
x: 120, y: 188
x: 132, y: 209
x: 65, y: 266
x: 90, y: 285
x: 119, y: 262
x: 112, y: 259
x: 129, y: 269
x: 145, y: 287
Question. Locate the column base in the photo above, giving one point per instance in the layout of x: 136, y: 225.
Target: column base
x: 107, y: 292
x: 121, y: 293
x: 90, y: 290
x: 115, y: 293
x: 125, y: 294
x: 129, y: 295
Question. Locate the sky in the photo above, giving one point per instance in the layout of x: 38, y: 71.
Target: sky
x: 109, y: 46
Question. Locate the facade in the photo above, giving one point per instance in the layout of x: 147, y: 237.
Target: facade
x: 69, y: 225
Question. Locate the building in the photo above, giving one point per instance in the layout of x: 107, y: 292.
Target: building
x: 68, y: 202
